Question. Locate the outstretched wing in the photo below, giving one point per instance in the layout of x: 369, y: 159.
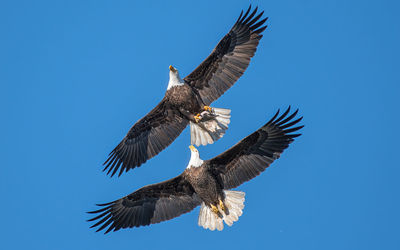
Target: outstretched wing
x: 229, y: 59
x: 148, y: 137
x: 256, y: 152
x: 148, y: 205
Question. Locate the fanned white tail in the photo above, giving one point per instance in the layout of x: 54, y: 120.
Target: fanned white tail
x: 210, y: 130
x: 234, y: 202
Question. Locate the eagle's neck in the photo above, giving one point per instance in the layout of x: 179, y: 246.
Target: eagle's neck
x: 174, y: 80
x: 195, y: 160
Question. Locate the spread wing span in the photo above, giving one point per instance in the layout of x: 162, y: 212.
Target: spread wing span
x: 148, y: 205
x: 252, y: 155
x: 148, y: 137
x: 229, y: 59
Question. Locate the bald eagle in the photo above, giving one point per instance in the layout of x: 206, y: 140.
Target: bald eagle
x: 187, y: 100
x: 206, y: 183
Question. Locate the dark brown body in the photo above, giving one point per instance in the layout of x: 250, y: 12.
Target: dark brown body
x: 184, y: 99
x: 205, y: 184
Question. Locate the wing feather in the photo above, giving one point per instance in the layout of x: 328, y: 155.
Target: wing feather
x: 256, y: 152
x: 148, y: 137
x: 229, y: 59
x: 148, y: 205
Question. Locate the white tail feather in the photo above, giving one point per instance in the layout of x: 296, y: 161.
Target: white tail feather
x: 208, y: 132
x: 234, y: 202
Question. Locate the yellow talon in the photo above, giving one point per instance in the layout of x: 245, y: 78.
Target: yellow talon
x: 197, y: 117
x: 221, y: 205
x: 208, y: 108
x: 214, y: 209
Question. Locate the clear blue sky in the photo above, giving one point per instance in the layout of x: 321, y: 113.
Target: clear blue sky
x: 75, y: 75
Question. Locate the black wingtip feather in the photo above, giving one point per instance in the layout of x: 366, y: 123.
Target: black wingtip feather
x: 273, y: 118
x: 105, y: 204
x: 290, y: 117
x: 290, y: 130
x: 98, y: 210
x: 256, y: 19
x: 240, y: 16
x: 257, y: 25
x: 287, y: 125
x: 106, y: 223
x: 260, y: 30
x: 295, y: 135
x: 245, y: 15
x: 285, y: 122
x: 251, y: 16
x: 99, y: 216
x: 282, y: 116
x: 246, y: 20
x: 111, y: 157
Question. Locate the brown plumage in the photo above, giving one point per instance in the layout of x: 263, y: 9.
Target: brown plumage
x: 207, y: 182
x: 230, y: 58
x: 217, y: 73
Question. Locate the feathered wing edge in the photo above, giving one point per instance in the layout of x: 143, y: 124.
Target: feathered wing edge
x: 256, y: 152
x: 148, y: 205
x: 230, y: 58
x: 147, y: 138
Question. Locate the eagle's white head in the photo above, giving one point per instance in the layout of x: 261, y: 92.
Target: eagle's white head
x: 174, y: 78
x: 195, y: 160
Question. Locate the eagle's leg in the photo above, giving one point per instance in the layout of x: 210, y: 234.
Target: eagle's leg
x: 222, y: 206
x: 197, y: 117
x: 208, y: 108
x: 214, y: 209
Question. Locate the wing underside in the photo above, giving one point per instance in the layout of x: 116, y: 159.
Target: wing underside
x: 230, y: 58
x: 148, y: 205
x: 148, y: 137
x: 256, y: 152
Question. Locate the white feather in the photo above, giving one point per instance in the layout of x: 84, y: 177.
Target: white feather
x: 222, y: 111
x: 193, y: 134
x: 214, y: 128
x: 195, y: 160
x: 234, y: 202
x: 174, y: 79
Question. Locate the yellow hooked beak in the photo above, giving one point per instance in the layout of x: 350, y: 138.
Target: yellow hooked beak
x: 172, y: 68
x: 192, y: 148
